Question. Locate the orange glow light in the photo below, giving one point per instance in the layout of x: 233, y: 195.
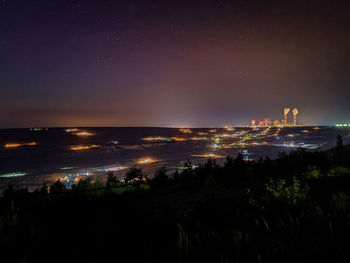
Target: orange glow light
x: 146, y: 161
x: 178, y: 139
x: 15, y: 145
x: 83, y: 147
x: 84, y: 133
x: 185, y: 130
x: 208, y: 155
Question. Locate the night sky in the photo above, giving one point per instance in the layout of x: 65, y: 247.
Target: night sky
x: 172, y: 63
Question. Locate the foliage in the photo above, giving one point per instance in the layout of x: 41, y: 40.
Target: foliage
x: 292, y: 192
x: 135, y: 177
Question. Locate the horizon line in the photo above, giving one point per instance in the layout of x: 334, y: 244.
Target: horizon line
x: 160, y: 127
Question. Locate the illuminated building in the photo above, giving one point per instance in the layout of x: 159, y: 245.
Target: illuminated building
x: 295, y: 113
x: 286, y: 111
x: 264, y: 123
x: 283, y: 123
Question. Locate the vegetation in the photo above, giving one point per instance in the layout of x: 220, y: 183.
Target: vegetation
x: 292, y: 209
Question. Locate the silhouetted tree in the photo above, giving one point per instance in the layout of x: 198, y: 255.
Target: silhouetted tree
x: 339, y: 150
x: 188, y: 169
x: 176, y: 176
x: 134, y: 176
x: 339, y: 144
x: 111, y: 179
x: 229, y: 164
x: 57, y: 187
x: 160, y: 179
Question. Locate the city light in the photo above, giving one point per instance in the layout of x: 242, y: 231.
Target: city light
x: 185, y: 130
x: 199, y: 138
x: 84, y: 133
x: 342, y: 125
x: 113, y: 169
x: 71, y: 179
x: 83, y: 147
x: 9, y: 175
x: 68, y: 168
x: 208, y: 155
x: 185, y: 168
x: 72, y: 130
x: 156, y: 139
x: 15, y: 145
x: 146, y: 161
x: 178, y: 139
x: 229, y: 128
x: 38, y: 129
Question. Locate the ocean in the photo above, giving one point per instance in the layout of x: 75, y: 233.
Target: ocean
x: 31, y: 157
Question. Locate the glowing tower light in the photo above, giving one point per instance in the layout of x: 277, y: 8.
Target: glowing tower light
x: 295, y: 113
x: 286, y: 111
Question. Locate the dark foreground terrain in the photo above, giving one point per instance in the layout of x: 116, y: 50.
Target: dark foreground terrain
x: 292, y: 209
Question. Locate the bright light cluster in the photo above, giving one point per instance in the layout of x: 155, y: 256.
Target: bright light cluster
x: 38, y: 129
x: 12, y: 175
x: 146, y: 161
x: 156, y: 139
x: 199, y: 138
x: 342, y: 125
x: 15, y: 145
x: 78, y: 132
x: 84, y: 133
x: 113, y: 169
x: 72, y: 130
x: 83, y: 147
x: 175, y: 138
x: 229, y: 128
x: 244, y: 138
x: 71, y: 179
x: 178, y: 139
x: 185, y: 130
x: 208, y: 155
